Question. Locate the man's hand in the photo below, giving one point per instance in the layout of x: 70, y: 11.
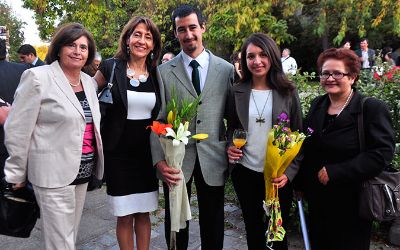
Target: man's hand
x: 323, y: 176
x: 4, y: 113
x: 169, y: 174
x: 280, y: 181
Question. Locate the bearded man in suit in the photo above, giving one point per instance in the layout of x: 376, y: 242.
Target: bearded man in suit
x: 196, y: 71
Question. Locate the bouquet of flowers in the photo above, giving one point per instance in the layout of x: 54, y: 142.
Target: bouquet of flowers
x: 173, y: 137
x: 283, y: 145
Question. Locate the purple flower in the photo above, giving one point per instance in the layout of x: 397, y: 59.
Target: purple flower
x: 283, y: 117
x: 285, y: 129
x: 310, y: 130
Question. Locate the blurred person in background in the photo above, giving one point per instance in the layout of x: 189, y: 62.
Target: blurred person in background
x: 92, y: 68
x: 10, y: 74
x: 289, y: 64
x: 27, y: 54
x: 167, y: 57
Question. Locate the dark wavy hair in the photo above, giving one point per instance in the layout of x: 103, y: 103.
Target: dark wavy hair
x: 276, y: 79
x: 185, y: 10
x: 351, y: 61
x: 67, y: 34
x: 127, y: 32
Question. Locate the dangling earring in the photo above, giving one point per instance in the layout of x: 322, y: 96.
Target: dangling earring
x: 128, y: 50
x: 151, y: 56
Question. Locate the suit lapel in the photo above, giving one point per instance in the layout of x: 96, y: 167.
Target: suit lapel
x: 120, y: 78
x: 242, y: 98
x: 178, y: 69
x: 277, y: 104
x: 62, y: 82
x: 212, y: 74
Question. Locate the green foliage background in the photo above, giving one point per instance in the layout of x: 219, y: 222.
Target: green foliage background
x: 14, y: 25
x: 307, y: 27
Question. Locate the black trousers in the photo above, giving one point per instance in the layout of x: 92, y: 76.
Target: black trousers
x: 250, y: 190
x: 211, y: 214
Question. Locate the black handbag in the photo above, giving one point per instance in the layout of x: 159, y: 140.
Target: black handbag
x: 18, y: 210
x: 105, y: 96
x: 379, y: 196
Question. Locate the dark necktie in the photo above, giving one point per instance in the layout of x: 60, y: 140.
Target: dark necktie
x: 195, y: 76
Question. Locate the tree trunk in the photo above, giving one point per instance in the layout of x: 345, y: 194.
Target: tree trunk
x: 325, y: 41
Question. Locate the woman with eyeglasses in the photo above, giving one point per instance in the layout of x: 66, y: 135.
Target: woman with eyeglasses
x: 53, y: 137
x: 333, y: 167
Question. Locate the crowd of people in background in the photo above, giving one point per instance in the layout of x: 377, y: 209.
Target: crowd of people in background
x: 51, y: 134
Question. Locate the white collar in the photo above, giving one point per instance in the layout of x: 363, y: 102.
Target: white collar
x: 202, y: 59
x: 35, y: 61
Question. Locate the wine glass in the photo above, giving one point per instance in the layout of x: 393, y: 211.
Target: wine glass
x: 239, y: 138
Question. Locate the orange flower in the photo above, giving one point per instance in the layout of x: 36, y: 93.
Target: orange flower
x: 159, y: 128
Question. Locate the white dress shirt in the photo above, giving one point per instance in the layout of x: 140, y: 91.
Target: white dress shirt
x: 204, y: 60
x: 289, y: 65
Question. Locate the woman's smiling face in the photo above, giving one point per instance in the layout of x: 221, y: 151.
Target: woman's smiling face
x: 334, y: 86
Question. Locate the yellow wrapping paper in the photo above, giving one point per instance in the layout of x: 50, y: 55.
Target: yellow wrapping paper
x: 275, y: 164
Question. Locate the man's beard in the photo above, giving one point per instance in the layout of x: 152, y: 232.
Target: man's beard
x: 191, y: 48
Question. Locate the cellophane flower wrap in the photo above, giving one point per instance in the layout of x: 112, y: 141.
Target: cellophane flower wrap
x: 282, y: 147
x: 173, y: 137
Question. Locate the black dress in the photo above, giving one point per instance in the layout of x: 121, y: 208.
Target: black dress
x: 130, y: 176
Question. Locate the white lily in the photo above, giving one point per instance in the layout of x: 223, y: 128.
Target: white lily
x: 181, y: 135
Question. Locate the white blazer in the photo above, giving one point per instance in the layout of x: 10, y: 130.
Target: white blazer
x: 45, y: 127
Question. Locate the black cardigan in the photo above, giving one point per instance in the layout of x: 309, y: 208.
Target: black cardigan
x: 337, y: 146
x: 114, y: 115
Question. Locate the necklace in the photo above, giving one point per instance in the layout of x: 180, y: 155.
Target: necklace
x: 260, y: 119
x: 130, y: 73
x: 75, y: 85
x: 347, y: 102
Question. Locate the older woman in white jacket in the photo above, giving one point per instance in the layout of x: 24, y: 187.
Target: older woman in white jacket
x: 52, y: 135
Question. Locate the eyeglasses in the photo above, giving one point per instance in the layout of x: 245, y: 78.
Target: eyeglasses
x: 337, y: 75
x: 73, y: 46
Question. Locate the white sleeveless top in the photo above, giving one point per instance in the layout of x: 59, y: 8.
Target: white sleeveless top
x: 140, y: 104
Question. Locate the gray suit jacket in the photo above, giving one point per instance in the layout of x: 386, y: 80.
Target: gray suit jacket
x: 45, y: 127
x: 238, y: 114
x: 209, y: 119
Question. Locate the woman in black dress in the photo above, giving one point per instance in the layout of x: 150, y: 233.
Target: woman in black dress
x: 131, y: 179
x: 333, y: 167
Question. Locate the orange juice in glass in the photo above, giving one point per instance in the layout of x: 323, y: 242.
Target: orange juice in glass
x: 239, y: 138
x: 239, y: 143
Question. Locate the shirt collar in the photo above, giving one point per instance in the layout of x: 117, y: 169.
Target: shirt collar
x: 202, y: 59
x: 35, y: 61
